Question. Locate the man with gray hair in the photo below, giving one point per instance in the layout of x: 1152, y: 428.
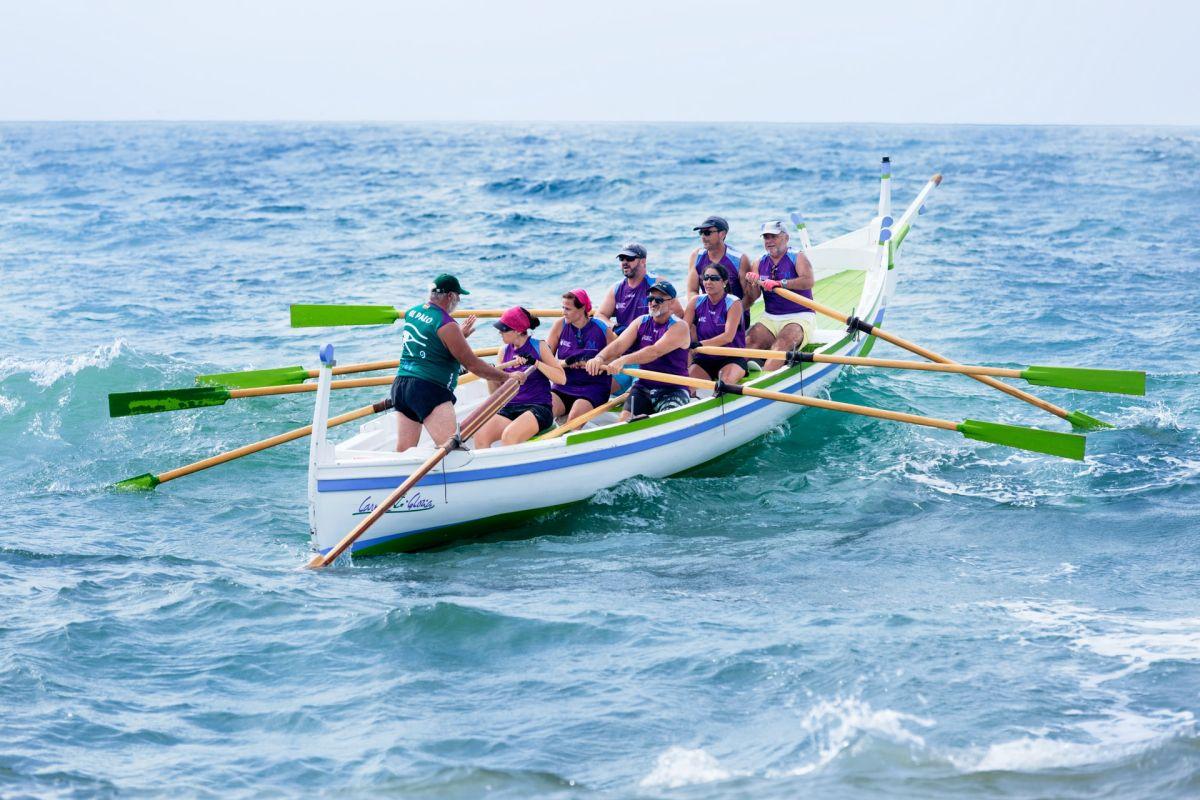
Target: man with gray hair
x: 435, y: 350
x: 784, y: 325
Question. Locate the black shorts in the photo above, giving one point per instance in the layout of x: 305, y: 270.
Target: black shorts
x: 645, y: 399
x: 545, y: 418
x: 712, y: 365
x: 416, y: 398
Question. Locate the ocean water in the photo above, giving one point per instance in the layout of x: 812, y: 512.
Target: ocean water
x: 845, y: 608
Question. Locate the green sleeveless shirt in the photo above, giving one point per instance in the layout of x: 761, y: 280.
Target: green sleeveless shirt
x: 424, y: 355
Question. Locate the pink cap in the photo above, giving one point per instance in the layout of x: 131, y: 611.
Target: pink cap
x: 584, y: 300
x: 515, y: 319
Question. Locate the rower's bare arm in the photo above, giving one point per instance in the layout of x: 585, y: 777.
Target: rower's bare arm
x: 804, y: 274
x: 692, y: 281
x: 744, y: 268
x: 549, y: 366
x: 613, y: 349
x: 608, y: 307
x: 555, y: 334
x: 753, y: 290
x: 452, y: 336
x: 733, y: 318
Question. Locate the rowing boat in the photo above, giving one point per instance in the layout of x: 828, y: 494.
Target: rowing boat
x: 479, y: 492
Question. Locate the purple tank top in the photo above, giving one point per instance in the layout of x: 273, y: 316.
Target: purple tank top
x: 673, y: 363
x: 631, y: 302
x: 710, y: 320
x: 582, y: 343
x: 536, y: 389
x: 731, y: 261
x: 784, y: 270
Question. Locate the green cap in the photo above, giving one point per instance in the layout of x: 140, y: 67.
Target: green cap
x: 447, y: 283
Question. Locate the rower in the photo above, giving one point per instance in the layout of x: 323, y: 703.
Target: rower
x: 784, y: 325
x: 626, y: 300
x: 659, y: 342
x: 713, y: 250
x: 528, y: 413
x: 575, y: 338
x: 715, y: 318
x: 434, y: 351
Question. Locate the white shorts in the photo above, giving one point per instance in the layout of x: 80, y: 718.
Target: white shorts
x: 807, y: 320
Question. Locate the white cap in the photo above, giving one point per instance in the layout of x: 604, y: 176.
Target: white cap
x: 774, y: 226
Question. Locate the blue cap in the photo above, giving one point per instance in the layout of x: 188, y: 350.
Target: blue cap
x: 664, y: 287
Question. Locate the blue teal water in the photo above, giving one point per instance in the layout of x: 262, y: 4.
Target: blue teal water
x: 847, y: 607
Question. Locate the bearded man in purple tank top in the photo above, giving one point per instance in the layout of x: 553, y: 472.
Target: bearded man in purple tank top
x: 784, y: 325
x: 657, y: 342
x: 626, y: 299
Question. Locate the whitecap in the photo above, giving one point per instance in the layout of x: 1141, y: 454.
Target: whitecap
x: 45, y: 372
x: 680, y: 766
x: 836, y: 725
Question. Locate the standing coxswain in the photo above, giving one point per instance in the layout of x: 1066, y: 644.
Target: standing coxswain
x: 434, y: 352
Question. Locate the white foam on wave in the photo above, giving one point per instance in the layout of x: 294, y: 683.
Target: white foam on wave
x: 680, y: 766
x: 1118, y: 734
x: 8, y: 405
x: 1137, y: 642
x: 837, y: 725
x: 45, y: 372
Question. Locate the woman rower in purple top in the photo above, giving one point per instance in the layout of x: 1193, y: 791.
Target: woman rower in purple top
x: 575, y: 339
x: 528, y: 413
x: 716, y: 321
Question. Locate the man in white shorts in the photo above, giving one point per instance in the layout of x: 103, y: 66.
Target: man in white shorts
x: 784, y: 325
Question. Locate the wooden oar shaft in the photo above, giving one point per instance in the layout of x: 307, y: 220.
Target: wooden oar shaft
x: 497, y: 312
x: 371, y: 366
x: 857, y: 361
x: 800, y: 400
x: 466, y: 429
x: 927, y: 354
x: 584, y: 418
x: 292, y: 435
x: 354, y: 383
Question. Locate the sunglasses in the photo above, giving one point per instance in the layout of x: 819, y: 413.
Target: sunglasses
x: 655, y: 301
x: 626, y: 259
x: 713, y: 278
x: 707, y: 231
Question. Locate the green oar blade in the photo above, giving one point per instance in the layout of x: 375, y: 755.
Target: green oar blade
x: 123, y: 404
x: 307, y: 316
x: 1119, y: 381
x: 1085, y: 422
x: 252, y: 379
x: 143, y: 482
x: 1066, y: 445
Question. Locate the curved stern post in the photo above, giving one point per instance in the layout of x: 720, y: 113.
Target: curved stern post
x: 319, y: 449
x: 885, y: 205
x: 798, y: 221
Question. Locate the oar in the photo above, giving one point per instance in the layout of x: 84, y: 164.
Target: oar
x: 583, y: 418
x: 1119, y: 381
x: 279, y: 376
x: 313, y: 316
x: 466, y: 429
x: 1066, y: 445
x: 124, y: 404
x: 150, y: 480
x: 1076, y: 418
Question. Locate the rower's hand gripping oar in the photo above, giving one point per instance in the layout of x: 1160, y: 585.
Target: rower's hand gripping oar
x: 316, y: 316
x: 1076, y: 418
x: 1118, y: 381
x: 281, y: 376
x: 466, y: 429
x: 1065, y: 445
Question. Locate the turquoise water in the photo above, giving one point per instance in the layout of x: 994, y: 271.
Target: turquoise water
x: 847, y: 607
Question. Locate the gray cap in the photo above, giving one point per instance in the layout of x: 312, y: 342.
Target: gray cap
x: 713, y: 222
x: 774, y: 226
x: 632, y: 250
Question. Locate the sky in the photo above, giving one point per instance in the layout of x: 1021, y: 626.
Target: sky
x: 917, y: 61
